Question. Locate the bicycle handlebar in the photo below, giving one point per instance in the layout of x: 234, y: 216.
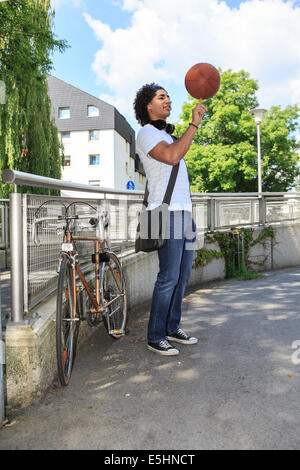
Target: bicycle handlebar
x: 93, y: 220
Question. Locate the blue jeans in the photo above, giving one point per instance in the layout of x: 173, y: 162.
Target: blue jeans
x: 175, y: 265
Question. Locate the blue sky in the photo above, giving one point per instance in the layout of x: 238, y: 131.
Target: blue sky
x: 118, y: 45
x: 74, y: 65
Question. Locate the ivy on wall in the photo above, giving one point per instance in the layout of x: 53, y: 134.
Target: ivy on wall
x: 234, y: 248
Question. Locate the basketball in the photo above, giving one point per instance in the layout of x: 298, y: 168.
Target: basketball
x: 202, y: 81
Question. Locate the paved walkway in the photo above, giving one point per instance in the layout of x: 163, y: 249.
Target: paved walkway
x: 238, y: 388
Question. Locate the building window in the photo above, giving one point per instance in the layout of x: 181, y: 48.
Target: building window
x: 94, y: 135
x: 127, y: 147
x: 94, y: 182
x: 94, y: 160
x: 126, y: 167
x: 93, y: 111
x: 67, y: 160
x: 65, y: 137
x: 64, y: 113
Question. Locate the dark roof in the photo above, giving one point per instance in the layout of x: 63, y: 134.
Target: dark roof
x: 64, y: 95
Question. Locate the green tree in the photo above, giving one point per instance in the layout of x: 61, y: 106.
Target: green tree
x: 223, y: 157
x: 28, y: 135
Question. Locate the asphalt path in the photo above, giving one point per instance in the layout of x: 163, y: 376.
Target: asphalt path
x: 237, y: 388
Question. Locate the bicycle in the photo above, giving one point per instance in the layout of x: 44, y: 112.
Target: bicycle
x: 106, y: 295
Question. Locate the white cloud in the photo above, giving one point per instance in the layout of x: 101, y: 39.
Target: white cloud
x: 166, y: 38
x: 132, y: 5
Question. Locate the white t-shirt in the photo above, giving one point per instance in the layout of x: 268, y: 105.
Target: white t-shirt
x: 158, y: 173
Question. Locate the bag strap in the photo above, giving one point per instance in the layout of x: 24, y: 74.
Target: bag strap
x: 169, y: 190
x: 170, y: 187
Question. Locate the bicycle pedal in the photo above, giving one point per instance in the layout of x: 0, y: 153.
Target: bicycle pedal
x: 117, y: 332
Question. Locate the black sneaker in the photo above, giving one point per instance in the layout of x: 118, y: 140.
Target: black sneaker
x: 181, y: 337
x: 163, y: 347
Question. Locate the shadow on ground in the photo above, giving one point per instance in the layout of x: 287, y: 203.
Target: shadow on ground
x: 238, y: 388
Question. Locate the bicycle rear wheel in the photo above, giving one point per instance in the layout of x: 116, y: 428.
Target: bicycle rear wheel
x: 113, y: 296
x: 67, y: 324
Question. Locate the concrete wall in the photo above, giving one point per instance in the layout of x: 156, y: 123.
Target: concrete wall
x: 286, y: 249
x: 30, y: 349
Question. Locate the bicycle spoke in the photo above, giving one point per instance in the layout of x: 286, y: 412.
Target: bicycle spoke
x: 114, y: 298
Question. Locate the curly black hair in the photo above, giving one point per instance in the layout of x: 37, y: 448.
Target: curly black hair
x: 142, y: 99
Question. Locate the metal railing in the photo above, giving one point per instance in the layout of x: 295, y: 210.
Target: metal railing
x: 33, y: 269
x: 40, y: 262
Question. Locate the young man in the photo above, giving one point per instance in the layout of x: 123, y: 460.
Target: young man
x: 159, y: 153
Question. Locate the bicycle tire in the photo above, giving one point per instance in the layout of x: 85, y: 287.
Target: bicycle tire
x: 111, y: 273
x: 67, y: 328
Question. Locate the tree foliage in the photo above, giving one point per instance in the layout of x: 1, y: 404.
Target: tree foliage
x: 28, y: 135
x: 223, y: 157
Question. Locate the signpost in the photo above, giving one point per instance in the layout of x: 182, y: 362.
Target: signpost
x: 130, y: 185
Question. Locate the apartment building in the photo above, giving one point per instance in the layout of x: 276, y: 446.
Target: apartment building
x: 99, y: 144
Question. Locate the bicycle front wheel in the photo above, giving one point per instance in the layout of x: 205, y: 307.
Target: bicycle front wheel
x: 113, y: 296
x: 67, y: 322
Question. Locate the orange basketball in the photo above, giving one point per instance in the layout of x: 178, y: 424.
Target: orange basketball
x: 202, y: 81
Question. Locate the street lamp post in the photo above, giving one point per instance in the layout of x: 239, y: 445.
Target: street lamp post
x: 258, y: 117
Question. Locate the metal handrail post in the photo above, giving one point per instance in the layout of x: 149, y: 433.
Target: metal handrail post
x: 252, y: 211
x: 211, y: 205
x: 16, y: 254
x: 262, y: 210
x: 217, y: 213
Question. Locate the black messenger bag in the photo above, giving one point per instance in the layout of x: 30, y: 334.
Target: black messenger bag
x: 152, y: 225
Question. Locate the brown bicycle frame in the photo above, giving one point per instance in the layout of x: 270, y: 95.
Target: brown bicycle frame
x: 95, y: 300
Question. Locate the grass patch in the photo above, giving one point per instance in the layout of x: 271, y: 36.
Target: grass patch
x: 246, y: 275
